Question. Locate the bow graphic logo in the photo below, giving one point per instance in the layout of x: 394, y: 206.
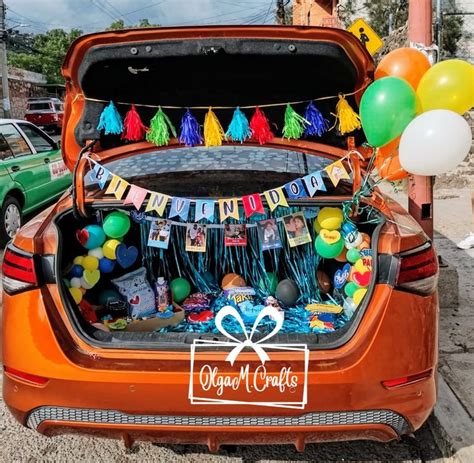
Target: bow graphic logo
x: 271, y: 312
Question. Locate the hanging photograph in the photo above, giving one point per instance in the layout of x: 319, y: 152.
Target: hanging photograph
x: 235, y: 235
x: 268, y: 234
x: 196, y: 237
x: 159, y: 236
x: 296, y: 229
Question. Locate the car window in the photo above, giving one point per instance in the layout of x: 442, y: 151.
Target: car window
x: 5, y: 150
x: 38, y: 106
x: 37, y: 139
x: 15, y: 140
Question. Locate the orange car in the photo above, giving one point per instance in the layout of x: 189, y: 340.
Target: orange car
x: 375, y: 378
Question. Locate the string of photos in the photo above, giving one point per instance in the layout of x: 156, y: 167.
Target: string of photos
x: 303, y: 187
x: 312, y: 123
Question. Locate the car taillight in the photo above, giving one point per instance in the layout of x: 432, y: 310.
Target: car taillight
x: 18, y: 375
x: 418, y: 271
x: 19, y: 273
x: 406, y: 380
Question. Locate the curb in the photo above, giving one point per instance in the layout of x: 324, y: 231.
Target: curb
x: 452, y: 426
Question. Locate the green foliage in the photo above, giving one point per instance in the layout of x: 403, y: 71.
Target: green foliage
x: 380, y: 12
x: 120, y: 24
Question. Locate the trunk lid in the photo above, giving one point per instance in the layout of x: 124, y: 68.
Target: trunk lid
x: 208, y: 66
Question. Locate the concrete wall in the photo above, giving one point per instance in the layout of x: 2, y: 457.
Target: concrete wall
x: 314, y: 12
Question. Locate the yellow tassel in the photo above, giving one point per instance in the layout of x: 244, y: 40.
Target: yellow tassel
x: 213, y: 131
x: 348, y: 119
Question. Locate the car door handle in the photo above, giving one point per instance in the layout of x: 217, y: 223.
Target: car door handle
x: 47, y: 160
x: 15, y: 168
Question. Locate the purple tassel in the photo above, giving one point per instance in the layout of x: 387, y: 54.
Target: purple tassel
x: 190, y: 130
x: 317, y: 124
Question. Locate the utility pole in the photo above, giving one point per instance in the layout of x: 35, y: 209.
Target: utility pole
x: 3, y: 61
x: 420, y: 188
x: 438, y: 24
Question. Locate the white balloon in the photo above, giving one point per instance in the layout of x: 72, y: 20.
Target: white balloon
x: 96, y: 252
x: 435, y: 142
x: 75, y: 282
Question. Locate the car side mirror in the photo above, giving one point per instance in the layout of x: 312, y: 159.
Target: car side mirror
x: 57, y: 145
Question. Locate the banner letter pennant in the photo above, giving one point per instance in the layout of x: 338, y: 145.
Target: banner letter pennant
x: 295, y: 189
x: 157, y: 202
x: 204, y: 209
x: 101, y: 175
x: 179, y: 208
x: 275, y: 198
x: 117, y: 187
x: 314, y: 182
x: 136, y: 196
x: 228, y: 208
x: 252, y: 205
x: 336, y: 172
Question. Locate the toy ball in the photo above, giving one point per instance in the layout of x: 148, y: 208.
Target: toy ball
x: 78, y: 260
x: 107, y: 295
x: 269, y: 283
x: 353, y: 255
x: 106, y: 265
x: 76, y: 294
x: 330, y: 218
x: 96, y: 252
x: 116, y: 224
x: 109, y: 248
x: 359, y: 295
x: 349, y: 307
x: 287, y: 292
x: 324, y: 282
x: 91, y: 236
x: 90, y: 263
x: 329, y: 248
x: 76, y: 271
x: 75, y: 282
x: 180, y: 289
x: 316, y: 226
x: 232, y: 280
x: 350, y: 289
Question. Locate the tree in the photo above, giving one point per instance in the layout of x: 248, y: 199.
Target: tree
x: 45, y: 53
x: 120, y: 24
x: 382, y: 12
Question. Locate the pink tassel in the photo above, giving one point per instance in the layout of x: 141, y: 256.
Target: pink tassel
x: 133, y: 127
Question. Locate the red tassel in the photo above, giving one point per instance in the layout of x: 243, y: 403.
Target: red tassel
x: 260, y: 127
x: 133, y: 127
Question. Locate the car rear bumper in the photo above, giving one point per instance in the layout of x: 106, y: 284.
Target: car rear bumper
x: 214, y: 431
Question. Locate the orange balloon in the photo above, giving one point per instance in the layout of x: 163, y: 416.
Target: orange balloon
x: 407, y: 63
x: 387, y: 162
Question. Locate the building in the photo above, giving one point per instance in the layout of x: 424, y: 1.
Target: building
x: 315, y: 13
x: 23, y: 85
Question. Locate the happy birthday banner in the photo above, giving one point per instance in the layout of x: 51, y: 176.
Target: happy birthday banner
x: 240, y: 129
x: 304, y: 187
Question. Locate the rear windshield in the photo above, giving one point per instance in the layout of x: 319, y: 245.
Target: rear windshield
x: 220, y: 171
x: 38, y: 106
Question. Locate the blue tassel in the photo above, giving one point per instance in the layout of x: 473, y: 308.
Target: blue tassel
x: 317, y: 124
x: 239, y: 129
x: 190, y: 130
x: 110, y: 121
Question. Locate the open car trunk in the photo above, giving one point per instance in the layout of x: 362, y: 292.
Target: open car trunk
x: 270, y: 253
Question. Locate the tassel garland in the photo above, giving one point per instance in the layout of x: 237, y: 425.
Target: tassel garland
x: 260, y: 127
x: 213, y: 131
x: 239, y: 129
x: 160, y: 127
x: 110, y: 121
x: 133, y: 127
x: 294, y: 124
x: 317, y: 124
x: 347, y: 118
x: 190, y: 130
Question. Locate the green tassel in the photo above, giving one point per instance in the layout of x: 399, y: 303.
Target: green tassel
x: 160, y: 127
x: 294, y: 124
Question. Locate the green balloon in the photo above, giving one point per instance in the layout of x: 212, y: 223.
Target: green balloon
x: 269, y: 284
x: 353, y: 255
x: 116, y: 225
x: 387, y: 107
x: 350, y: 289
x: 326, y: 250
x: 180, y: 289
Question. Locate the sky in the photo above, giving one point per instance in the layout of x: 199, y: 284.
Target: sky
x: 92, y: 15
